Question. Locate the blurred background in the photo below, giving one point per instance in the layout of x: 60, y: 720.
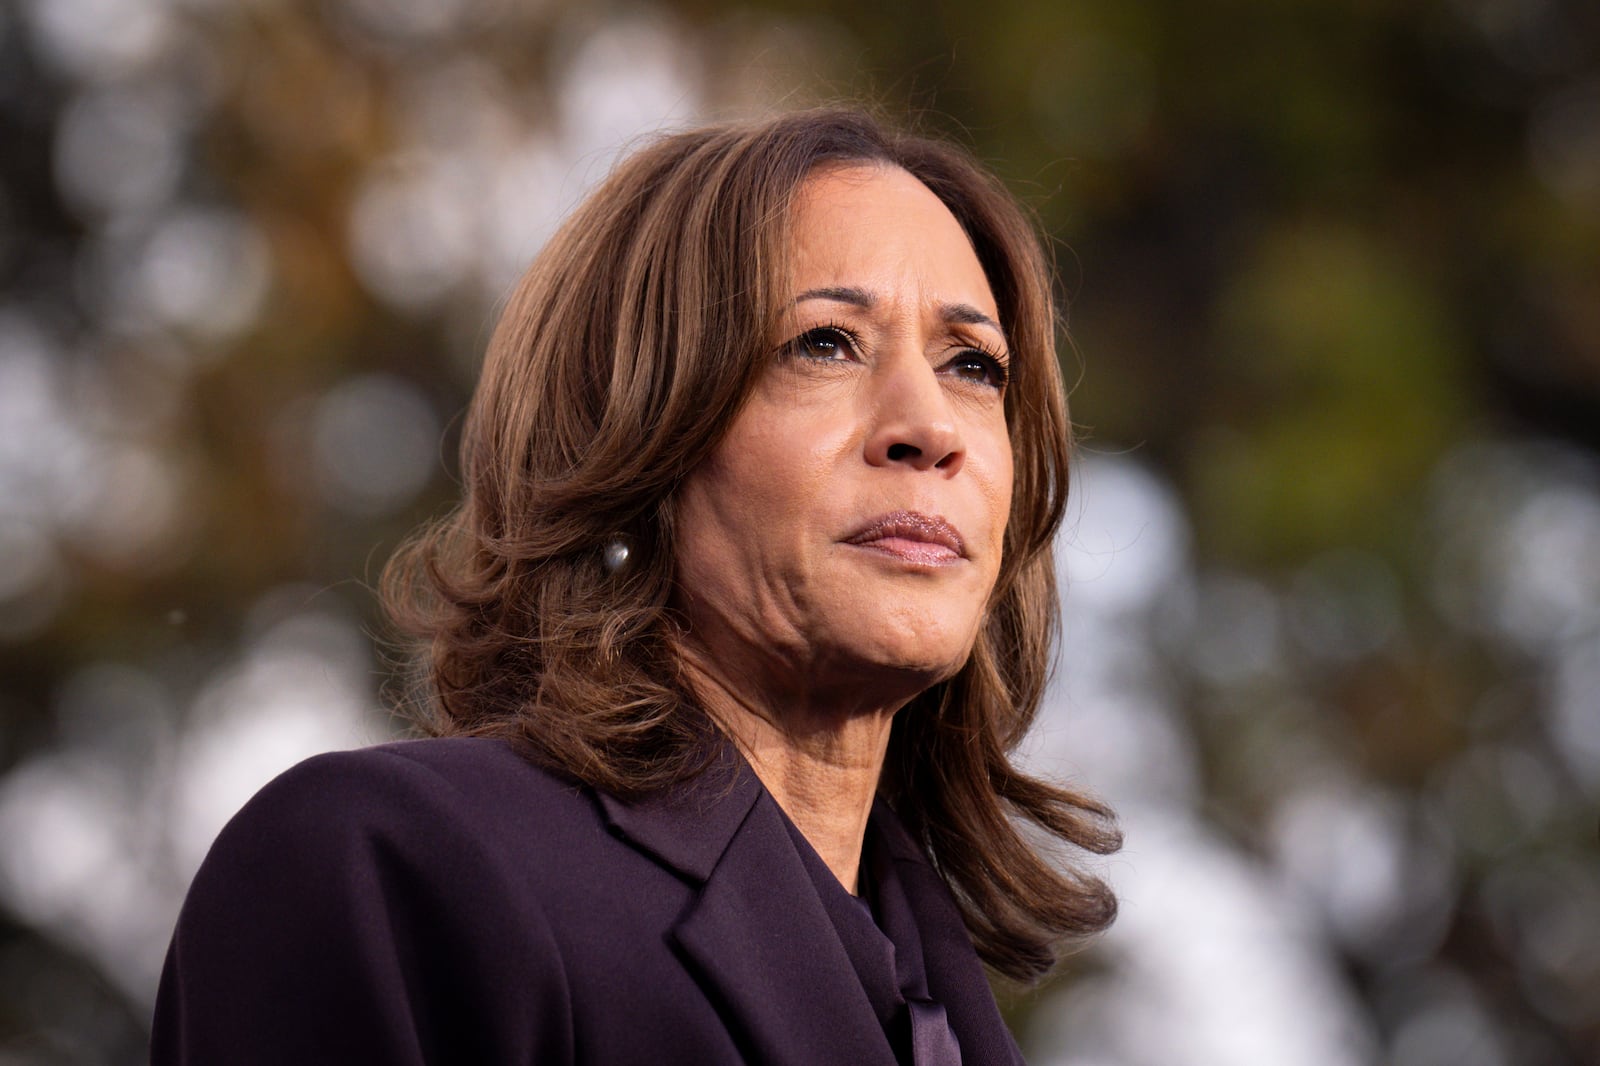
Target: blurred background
x: 1332, y: 601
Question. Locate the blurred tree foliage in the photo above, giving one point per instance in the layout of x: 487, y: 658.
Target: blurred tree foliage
x: 1322, y: 262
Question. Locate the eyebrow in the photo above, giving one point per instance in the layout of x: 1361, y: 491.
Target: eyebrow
x: 957, y: 313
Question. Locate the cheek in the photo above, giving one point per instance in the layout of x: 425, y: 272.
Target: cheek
x: 1005, y: 496
x: 754, y: 477
x: 787, y: 457
x: 737, y: 505
x: 998, y: 475
x: 694, y: 529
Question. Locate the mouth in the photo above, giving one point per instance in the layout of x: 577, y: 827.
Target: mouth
x: 912, y: 536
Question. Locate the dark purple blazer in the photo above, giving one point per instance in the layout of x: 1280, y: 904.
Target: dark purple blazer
x: 445, y: 901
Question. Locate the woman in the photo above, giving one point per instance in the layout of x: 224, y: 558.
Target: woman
x: 749, y: 596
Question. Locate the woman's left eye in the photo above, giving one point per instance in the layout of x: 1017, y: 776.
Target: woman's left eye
x: 978, y: 367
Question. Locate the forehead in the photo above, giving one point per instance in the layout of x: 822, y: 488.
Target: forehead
x: 875, y: 226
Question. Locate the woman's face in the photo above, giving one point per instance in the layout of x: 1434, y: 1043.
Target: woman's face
x: 842, y: 541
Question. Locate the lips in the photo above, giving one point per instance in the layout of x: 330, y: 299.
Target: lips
x: 911, y: 536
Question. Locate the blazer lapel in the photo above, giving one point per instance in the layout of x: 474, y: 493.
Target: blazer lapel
x: 757, y: 936
x: 956, y: 978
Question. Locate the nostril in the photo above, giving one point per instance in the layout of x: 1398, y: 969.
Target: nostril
x: 901, y: 452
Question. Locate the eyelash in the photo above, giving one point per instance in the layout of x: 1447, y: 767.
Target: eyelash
x: 997, y: 370
x: 835, y: 332
x: 993, y: 362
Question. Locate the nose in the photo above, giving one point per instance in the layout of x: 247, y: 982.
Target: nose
x: 913, y: 423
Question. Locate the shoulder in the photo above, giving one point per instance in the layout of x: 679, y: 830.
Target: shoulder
x: 376, y: 905
x: 441, y: 797
x: 460, y: 821
x: 464, y: 767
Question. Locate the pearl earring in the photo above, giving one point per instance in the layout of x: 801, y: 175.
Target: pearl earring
x: 618, y: 552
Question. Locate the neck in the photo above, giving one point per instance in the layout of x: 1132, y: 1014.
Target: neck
x: 822, y: 768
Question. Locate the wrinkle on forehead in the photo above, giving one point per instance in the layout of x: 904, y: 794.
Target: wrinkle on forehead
x: 839, y: 207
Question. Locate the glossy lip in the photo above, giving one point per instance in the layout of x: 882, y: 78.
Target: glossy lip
x: 912, y: 536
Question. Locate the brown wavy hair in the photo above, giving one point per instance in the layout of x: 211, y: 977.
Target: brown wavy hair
x: 619, y: 361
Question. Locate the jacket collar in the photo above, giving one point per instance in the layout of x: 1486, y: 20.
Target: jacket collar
x: 761, y: 941
x: 688, y: 828
x: 956, y: 978
x: 756, y: 935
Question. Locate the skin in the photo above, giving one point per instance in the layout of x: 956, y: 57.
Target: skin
x: 811, y: 620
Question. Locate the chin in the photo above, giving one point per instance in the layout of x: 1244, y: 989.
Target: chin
x: 918, y: 661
